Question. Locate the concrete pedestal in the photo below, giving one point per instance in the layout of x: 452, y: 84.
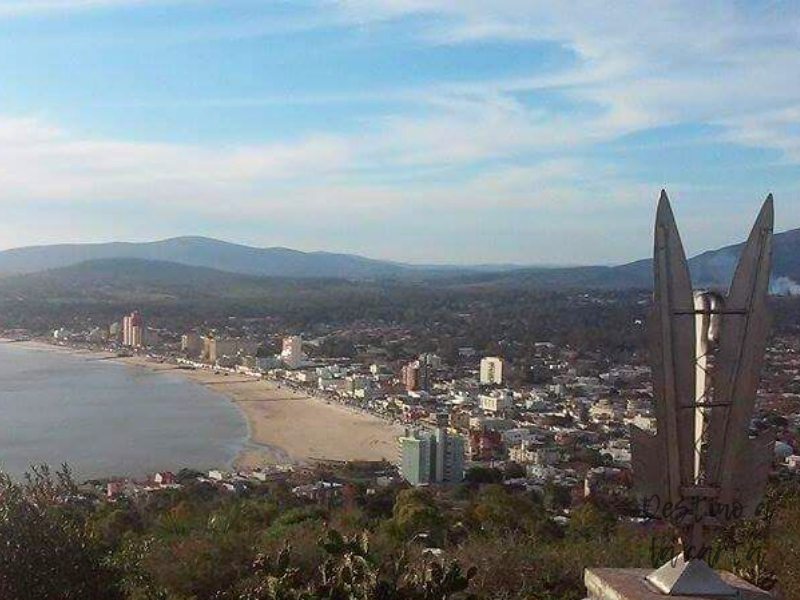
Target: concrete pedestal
x: 631, y: 584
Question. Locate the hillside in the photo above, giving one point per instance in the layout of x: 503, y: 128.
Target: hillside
x: 717, y: 266
x: 130, y: 279
x: 201, y: 252
x: 711, y: 268
x: 211, y: 268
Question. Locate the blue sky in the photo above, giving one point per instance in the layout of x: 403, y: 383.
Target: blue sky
x: 418, y: 130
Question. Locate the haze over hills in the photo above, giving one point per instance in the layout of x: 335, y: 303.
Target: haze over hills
x: 713, y: 268
x: 201, y: 252
x: 134, y: 279
x: 174, y: 267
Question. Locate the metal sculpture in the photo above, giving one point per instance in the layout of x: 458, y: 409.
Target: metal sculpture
x: 706, y: 351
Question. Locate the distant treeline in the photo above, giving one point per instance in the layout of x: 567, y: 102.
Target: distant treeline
x: 506, y: 320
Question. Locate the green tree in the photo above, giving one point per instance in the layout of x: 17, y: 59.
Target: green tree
x: 46, y: 549
x: 349, y: 573
x: 783, y: 546
x: 498, y: 511
x: 513, y: 470
x: 590, y: 521
x: 555, y: 497
x: 415, y: 513
x: 481, y: 475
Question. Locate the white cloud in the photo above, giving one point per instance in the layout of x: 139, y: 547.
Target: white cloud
x: 328, y: 188
x: 641, y: 63
x: 40, y: 162
x: 17, y: 8
x: 777, y: 129
x: 646, y: 63
x: 467, y: 145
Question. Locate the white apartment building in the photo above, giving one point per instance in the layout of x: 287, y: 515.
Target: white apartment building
x: 496, y: 401
x: 514, y: 437
x: 491, y: 372
x: 292, y: 352
x: 533, y: 454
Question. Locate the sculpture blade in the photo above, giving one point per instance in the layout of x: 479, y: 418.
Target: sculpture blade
x: 738, y: 364
x: 672, y: 346
x: 651, y: 482
x: 750, y: 475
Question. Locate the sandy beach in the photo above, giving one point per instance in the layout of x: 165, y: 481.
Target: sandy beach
x: 285, y: 426
x: 292, y: 427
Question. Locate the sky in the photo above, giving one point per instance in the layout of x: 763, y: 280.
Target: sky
x: 428, y: 131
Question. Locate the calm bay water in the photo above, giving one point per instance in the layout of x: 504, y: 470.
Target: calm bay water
x: 108, y: 419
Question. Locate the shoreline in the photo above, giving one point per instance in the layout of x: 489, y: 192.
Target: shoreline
x: 284, y: 426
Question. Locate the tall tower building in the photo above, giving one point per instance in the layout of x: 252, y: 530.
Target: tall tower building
x: 133, y: 330
x: 292, y: 352
x: 418, y: 374
x: 192, y: 343
x: 416, y: 459
x: 428, y: 457
x: 409, y: 376
x: 491, y: 371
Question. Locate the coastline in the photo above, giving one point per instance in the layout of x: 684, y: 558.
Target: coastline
x: 284, y: 426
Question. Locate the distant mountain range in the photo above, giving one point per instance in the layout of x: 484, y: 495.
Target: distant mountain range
x: 201, y: 252
x: 135, y: 279
x: 713, y: 268
x: 203, y: 263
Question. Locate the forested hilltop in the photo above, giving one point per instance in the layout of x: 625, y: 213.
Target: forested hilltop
x: 439, y: 317
x: 482, y: 539
x: 711, y: 267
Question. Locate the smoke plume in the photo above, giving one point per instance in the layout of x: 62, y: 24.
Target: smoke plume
x: 784, y: 286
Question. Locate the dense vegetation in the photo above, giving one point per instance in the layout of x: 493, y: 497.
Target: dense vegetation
x: 476, y: 540
x: 460, y: 315
x: 474, y: 312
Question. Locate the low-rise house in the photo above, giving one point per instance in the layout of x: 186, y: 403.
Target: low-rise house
x: 164, y: 478
x: 321, y: 492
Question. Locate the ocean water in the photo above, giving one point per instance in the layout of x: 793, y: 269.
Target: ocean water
x: 108, y: 419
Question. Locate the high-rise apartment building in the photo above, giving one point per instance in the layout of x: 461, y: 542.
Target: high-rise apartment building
x: 418, y: 374
x: 292, y: 352
x: 215, y: 349
x: 491, y: 371
x: 410, y: 376
x: 428, y: 457
x: 192, y: 344
x: 434, y: 361
x: 416, y: 459
x: 133, y: 330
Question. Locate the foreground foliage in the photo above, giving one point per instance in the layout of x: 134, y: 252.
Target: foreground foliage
x: 479, y: 540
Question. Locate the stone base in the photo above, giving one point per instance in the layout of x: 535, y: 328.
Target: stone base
x: 632, y: 584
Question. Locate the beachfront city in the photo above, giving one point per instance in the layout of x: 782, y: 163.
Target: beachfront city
x: 559, y: 417
x: 399, y: 300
